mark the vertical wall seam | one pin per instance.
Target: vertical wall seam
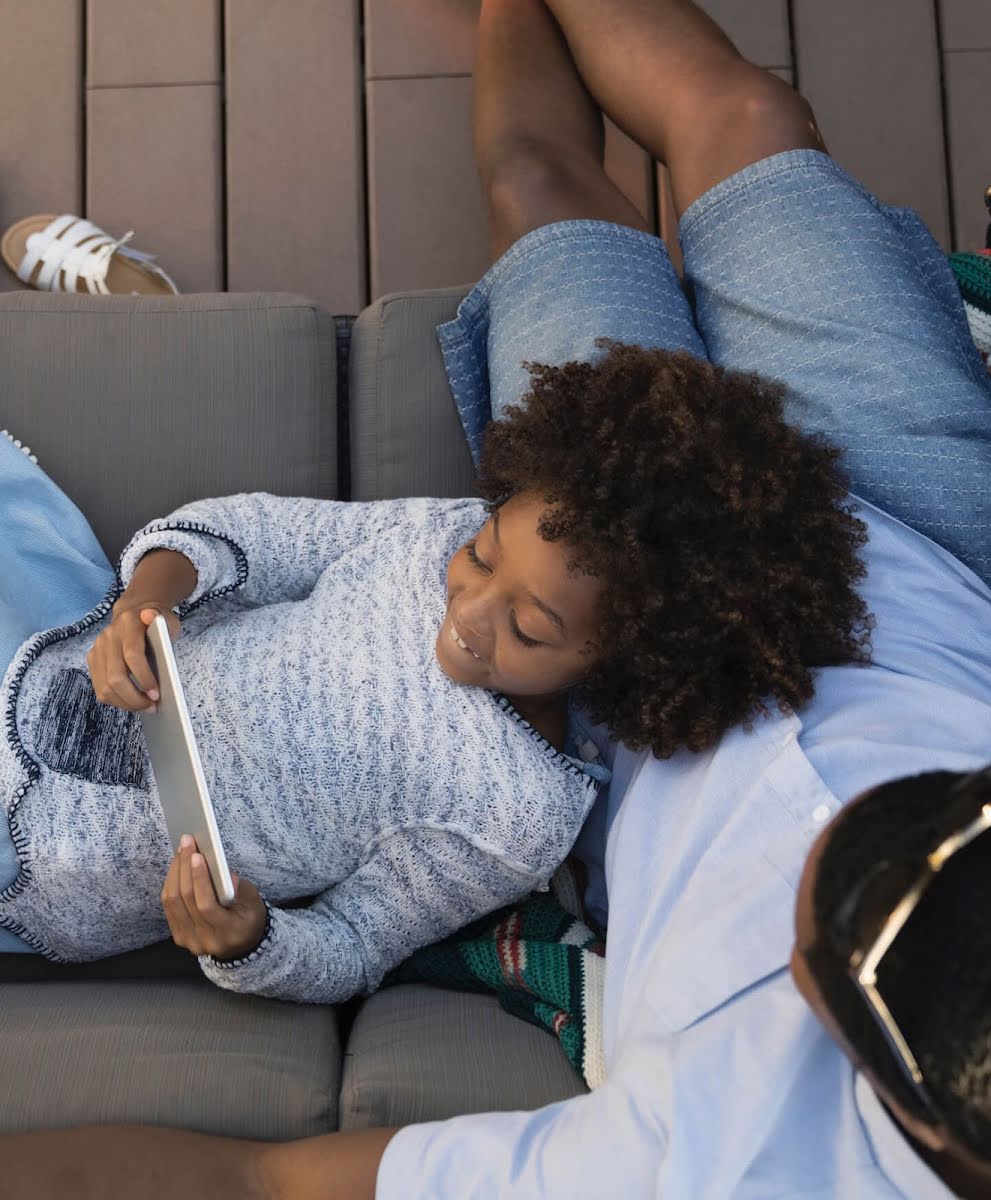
(224, 185)
(83, 194)
(653, 197)
(945, 115)
(366, 239)
(796, 81)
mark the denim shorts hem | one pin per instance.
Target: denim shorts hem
(786, 162)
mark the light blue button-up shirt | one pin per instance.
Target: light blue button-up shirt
(719, 1080)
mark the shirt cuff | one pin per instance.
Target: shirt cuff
(209, 552)
(247, 973)
(402, 1162)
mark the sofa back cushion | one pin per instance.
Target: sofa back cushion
(405, 434)
(136, 405)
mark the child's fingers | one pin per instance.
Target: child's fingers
(111, 681)
(186, 883)
(136, 657)
(176, 913)
(204, 895)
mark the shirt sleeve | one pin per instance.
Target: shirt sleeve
(417, 886)
(267, 548)
(751, 1100)
(606, 1143)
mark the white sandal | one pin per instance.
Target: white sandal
(61, 254)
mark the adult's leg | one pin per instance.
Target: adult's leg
(538, 134)
(574, 261)
(671, 79)
(797, 272)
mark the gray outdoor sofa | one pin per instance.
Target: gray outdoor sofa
(135, 406)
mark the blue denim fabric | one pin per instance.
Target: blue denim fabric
(795, 272)
(52, 572)
(547, 299)
(800, 274)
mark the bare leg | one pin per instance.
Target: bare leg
(538, 133)
(671, 79)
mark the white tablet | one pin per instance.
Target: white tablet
(175, 761)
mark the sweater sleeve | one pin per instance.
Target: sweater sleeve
(417, 886)
(267, 548)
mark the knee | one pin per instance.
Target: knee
(757, 100)
(526, 183)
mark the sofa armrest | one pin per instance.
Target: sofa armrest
(405, 433)
(136, 405)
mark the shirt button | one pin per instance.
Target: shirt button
(821, 813)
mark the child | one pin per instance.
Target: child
(387, 694)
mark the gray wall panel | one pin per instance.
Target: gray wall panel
(41, 60)
(419, 37)
(153, 164)
(426, 216)
(966, 24)
(169, 41)
(968, 82)
(758, 28)
(872, 74)
(295, 183)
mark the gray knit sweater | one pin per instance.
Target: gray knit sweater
(341, 760)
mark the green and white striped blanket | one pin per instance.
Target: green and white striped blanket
(543, 963)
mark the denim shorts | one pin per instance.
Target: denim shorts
(793, 271)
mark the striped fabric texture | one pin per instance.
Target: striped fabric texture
(973, 274)
(542, 962)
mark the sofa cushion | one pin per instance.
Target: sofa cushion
(406, 436)
(418, 1053)
(168, 1053)
(136, 405)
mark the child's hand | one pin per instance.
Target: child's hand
(118, 661)
(198, 921)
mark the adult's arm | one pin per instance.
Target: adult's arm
(119, 1162)
(751, 1100)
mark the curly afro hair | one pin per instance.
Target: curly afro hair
(722, 536)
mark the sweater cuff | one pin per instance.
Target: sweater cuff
(245, 974)
(217, 565)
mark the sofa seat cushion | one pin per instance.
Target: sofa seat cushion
(418, 1053)
(170, 1052)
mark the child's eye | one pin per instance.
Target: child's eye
(520, 634)
(474, 557)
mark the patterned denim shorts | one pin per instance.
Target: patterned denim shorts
(793, 271)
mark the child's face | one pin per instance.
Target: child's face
(489, 605)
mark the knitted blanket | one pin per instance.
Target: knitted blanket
(973, 274)
(543, 963)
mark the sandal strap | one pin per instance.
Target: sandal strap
(86, 260)
(51, 244)
(66, 254)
